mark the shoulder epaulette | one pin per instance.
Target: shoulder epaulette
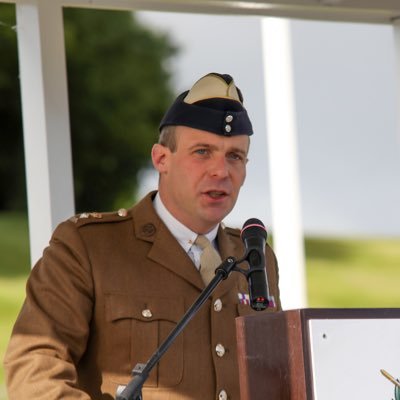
(91, 217)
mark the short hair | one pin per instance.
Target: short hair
(167, 137)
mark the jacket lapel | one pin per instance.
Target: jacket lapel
(227, 247)
(168, 252)
(165, 249)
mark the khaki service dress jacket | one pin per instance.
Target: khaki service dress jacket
(108, 289)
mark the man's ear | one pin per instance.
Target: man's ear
(159, 156)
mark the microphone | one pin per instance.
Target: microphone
(254, 236)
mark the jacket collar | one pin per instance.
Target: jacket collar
(168, 252)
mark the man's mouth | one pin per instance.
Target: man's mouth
(216, 194)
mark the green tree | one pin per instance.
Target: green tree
(118, 93)
(118, 87)
(12, 167)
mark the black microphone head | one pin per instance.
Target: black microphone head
(254, 236)
(253, 227)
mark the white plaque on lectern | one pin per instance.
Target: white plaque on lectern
(348, 356)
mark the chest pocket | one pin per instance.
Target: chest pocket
(141, 324)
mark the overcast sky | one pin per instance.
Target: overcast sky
(349, 143)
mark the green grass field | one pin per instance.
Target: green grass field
(345, 272)
(14, 268)
(353, 272)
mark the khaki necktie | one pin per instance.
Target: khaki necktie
(209, 259)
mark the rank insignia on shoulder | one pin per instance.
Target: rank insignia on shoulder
(91, 217)
(91, 214)
(86, 215)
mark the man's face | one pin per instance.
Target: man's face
(200, 181)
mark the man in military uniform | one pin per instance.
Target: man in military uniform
(110, 287)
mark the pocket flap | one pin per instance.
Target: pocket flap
(124, 305)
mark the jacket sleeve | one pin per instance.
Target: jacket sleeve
(51, 331)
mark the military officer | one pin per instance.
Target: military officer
(111, 286)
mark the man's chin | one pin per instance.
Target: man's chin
(216, 216)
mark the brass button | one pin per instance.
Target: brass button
(220, 350)
(223, 395)
(217, 305)
(122, 212)
(147, 313)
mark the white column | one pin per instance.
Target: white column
(45, 118)
(282, 146)
(396, 35)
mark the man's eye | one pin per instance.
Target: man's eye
(201, 151)
(235, 156)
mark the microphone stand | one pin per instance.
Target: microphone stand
(133, 390)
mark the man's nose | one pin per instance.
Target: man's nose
(219, 167)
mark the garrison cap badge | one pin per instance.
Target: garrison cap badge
(213, 104)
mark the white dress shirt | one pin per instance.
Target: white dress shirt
(183, 234)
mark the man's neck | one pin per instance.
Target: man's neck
(177, 228)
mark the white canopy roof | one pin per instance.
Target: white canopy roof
(372, 11)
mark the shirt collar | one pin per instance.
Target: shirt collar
(182, 233)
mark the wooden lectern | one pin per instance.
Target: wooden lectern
(318, 354)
